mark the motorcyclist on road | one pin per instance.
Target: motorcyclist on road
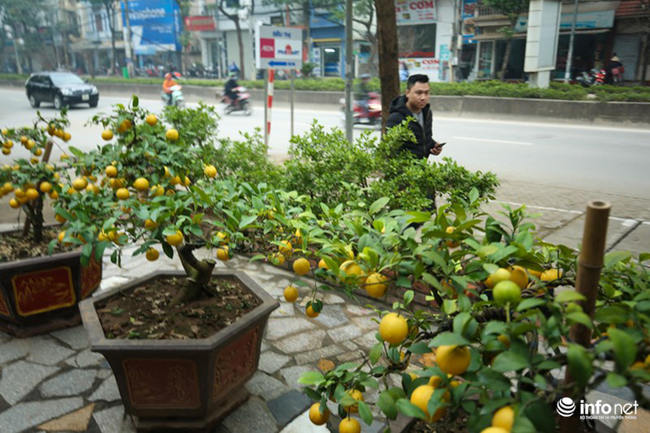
(168, 84)
(229, 88)
(362, 94)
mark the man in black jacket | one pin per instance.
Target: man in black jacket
(415, 104)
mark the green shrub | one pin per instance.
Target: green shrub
(328, 169)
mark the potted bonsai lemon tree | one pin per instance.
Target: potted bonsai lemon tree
(181, 343)
(38, 292)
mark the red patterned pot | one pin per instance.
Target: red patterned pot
(183, 385)
(42, 294)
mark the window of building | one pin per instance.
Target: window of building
(99, 22)
(416, 41)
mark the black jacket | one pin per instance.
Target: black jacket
(400, 112)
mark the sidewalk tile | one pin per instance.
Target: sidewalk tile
(288, 406)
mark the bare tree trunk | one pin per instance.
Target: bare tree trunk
(506, 58)
(240, 41)
(388, 56)
(111, 26)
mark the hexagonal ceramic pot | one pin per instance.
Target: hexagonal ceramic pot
(42, 294)
(183, 385)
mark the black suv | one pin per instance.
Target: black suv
(61, 88)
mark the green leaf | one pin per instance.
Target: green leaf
(644, 257)
(409, 409)
(408, 297)
(509, 361)
(569, 296)
(418, 217)
(490, 268)
(387, 405)
(378, 205)
(365, 413)
(625, 349)
(529, 303)
(615, 380)
(375, 353)
(311, 378)
(581, 318)
(247, 221)
(136, 101)
(419, 348)
(616, 257)
(448, 339)
(612, 314)
(579, 364)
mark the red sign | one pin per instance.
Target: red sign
(4, 310)
(200, 24)
(267, 48)
(38, 292)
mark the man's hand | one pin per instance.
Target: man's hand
(436, 149)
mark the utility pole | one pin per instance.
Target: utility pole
(348, 71)
(128, 48)
(12, 32)
(569, 60)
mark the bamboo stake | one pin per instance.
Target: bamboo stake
(590, 262)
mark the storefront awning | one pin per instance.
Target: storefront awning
(500, 37)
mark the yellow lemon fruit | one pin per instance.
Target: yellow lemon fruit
(31, 194)
(222, 254)
(152, 254)
(151, 119)
(210, 171)
(500, 275)
(80, 183)
(453, 359)
(111, 171)
(393, 328)
(519, 276)
(420, 398)
(316, 417)
(107, 134)
(14, 203)
(150, 224)
(285, 248)
(351, 268)
(290, 294)
(45, 187)
(451, 244)
(349, 425)
(310, 312)
(141, 184)
(376, 285)
(495, 430)
(550, 275)
(301, 266)
(358, 396)
(175, 239)
(504, 418)
(122, 193)
(171, 135)
(279, 259)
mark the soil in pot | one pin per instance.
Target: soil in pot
(457, 425)
(144, 312)
(13, 246)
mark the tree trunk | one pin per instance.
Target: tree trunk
(506, 58)
(242, 66)
(198, 273)
(111, 26)
(388, 56)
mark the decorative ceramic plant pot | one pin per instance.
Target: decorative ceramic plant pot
(42, 294)
(183, 385)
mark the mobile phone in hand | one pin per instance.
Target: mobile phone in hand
(440, 144)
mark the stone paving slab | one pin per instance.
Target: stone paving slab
(638, 241)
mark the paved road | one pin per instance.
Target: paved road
(611, 160)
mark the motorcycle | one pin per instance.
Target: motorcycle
(595, 77)
(241, 103)
(370, 117)
(174, 98)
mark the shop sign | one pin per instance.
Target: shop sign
(584, 21)
(410, 12)
(200, 24)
